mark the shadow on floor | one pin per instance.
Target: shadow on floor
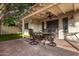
(72, 44)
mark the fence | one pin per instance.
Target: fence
(9, 29)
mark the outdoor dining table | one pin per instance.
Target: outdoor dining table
(46, 36)
(44, 33)
(43, 37)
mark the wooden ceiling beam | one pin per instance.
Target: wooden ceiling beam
(40, 4)
(74, 7)
(51, 5)
(28, 10)
(52, 12)
(61, 9)
(1, 6)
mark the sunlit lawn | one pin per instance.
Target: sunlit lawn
(7, 37)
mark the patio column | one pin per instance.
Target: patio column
(45, 25)
(23, 26)
(61, 34)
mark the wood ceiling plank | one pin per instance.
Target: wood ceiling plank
(61, 9)
(40, 10)
(52, 12)
(1, 6)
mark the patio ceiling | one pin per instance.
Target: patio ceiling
(39, 11)
(2, 9)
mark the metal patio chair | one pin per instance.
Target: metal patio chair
(33, 37)
(50, 36)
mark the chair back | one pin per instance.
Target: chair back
(31, 32)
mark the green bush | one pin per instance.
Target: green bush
(11, 21)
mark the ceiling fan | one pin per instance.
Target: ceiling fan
(49, 15)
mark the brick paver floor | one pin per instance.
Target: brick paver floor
(20, 47)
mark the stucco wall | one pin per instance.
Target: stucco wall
(73, 26)
(35, 25)
(60, 32)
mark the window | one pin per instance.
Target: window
(26, 25)
(65, 24)
(42, 26)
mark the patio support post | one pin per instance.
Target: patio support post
(23, 27)
(61, 33)
(44, 24)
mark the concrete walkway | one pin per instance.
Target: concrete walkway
(20, 47)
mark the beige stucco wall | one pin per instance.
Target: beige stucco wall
(60, 32)
(35, 25)
(73, 26)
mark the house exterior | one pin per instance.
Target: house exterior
(64, 17)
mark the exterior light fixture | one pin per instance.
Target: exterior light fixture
(49, 15)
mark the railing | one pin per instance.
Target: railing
(71, 34)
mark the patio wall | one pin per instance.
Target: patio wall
(35, 25)
(73, 26)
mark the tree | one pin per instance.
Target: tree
(14, 10)
(9, 21)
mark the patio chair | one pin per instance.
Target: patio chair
(51, 36)
(33, 37)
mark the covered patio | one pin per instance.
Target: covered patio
(62, 17)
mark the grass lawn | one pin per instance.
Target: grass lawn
(7, 37)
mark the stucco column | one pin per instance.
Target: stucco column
(45, 25)
(23, 26)
(61, 33)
